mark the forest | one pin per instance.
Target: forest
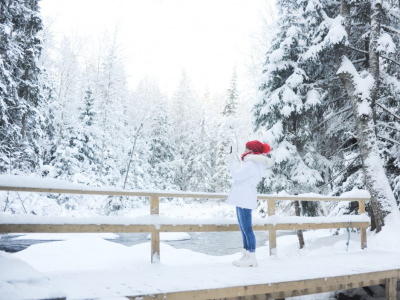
(326, 100)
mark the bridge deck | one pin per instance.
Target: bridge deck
(182, 274)
(274, 278)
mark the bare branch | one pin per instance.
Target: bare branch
(394, 15)
(340, 172)
(357, 50)
(388, 111)
(391, 29)
(366, 52)
(385, 125)
(334, 115)
(392, 60)
(388, 139)
(358, 61)
(22, 202)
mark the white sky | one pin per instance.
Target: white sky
(160, 38)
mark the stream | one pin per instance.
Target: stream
(212, 243)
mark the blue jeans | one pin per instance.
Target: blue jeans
(244, 219)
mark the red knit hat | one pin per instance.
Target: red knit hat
(257, 147)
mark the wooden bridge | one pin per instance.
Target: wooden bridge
(269, 289)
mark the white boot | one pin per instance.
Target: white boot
(244, 256)
(249, 260)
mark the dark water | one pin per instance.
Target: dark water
(212, 243)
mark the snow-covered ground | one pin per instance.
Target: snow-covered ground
(83, 266)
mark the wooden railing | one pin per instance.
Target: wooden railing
(157, 225)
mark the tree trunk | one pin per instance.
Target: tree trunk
(382, 198)
(299, 232)
(132, 151)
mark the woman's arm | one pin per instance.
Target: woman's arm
(242, 172)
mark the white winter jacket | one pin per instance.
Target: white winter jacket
(245, 180)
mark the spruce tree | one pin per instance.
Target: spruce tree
(21, 92)
(227, 137)
(200, 179)
(186, 123)
(286, 104)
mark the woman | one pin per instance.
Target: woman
(243, 195)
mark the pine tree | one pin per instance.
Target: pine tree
(112, 95)
(201, 180)
(232, 95)
(186, 123)
(286, 105)
(349, 107)
(21, 91)
(157, 135)
(227, 137)
(88, 138)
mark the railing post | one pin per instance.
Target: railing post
(155, 234)
(391, 288)
(272, 232)
(361, 210)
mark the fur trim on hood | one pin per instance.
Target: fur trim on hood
(259, 158)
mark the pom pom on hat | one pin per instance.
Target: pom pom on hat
(266, 148)
(258, 147)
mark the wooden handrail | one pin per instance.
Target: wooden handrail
(163, 194)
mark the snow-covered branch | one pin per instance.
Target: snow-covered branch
(366, 52)
(391, 29)
(332, 116)
(394, 15)
(386, 125)
(388, 111)
(357, 50)
(388, 139)
(340, 172)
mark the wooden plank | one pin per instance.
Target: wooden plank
(302, 198)
(272, 231)
(363, 230)
(137, 228)
(281, 289)
(143, 193)
(155, 234)
(391, 288)
(166, 194)
(327, 225)
(73, 228)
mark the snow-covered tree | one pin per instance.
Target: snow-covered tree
(362, 87)
(201, 174)
(339, 135)
(286, 106)
(153, 133)
(21, 86)
(64, 110)
(186, 117)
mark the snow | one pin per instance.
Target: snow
(313, 98)
(37, 182)
(335, 35)
(19, 280)
(386, 44)
(355, 193)
(363, 84)
(64, 236)
(93, 268)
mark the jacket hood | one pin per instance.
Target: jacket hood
(259, 159)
